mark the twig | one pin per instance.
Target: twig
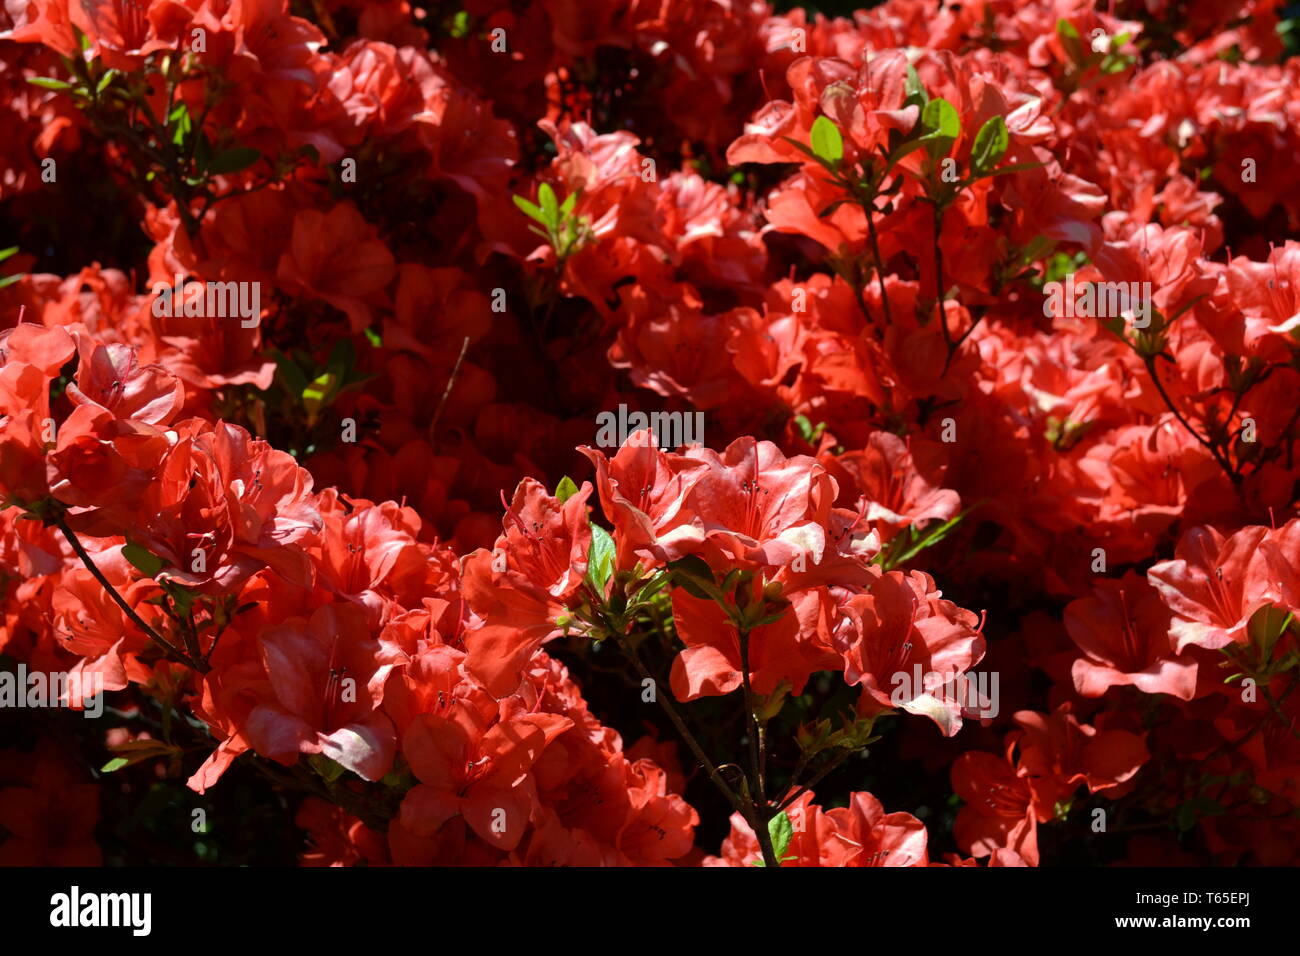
(938, 278)
(880, 265)
(173, 652)
(686, 734)
(818, 777)
(1224, 463)
(451, 380)
(756, 746)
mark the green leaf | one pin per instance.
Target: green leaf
(342, 358)
(9, 280)
(550, 207)
(806, 428)
(1194, 809)
(827, 144)
(531, 210)
(991, 144)
(202, 153)
(233, 160)
(780, 830)
(182, 597)
(565, 490)
(693, 573)
(179, 120)
(1265, 629)
(1015, 168)
(1113, 63)
(600, 559)
(143, 560)
(900, 551)
(49, 83)
(1070, 40)
(940, 119)
(295, 380)
(942, 125)
(329, 770)
(319, 393)
(134, 751)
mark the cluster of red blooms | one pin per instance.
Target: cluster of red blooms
(460, 233)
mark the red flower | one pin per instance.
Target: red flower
(476, 768)
(520, 589)
(861, 834)
(1123, 631)
(900, 630)
(328, 688)
(642, 490)
(327, 260)
(1214, 585)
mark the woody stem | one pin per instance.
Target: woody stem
(1220, 458)
(737, 804)
(171, 651)
(938, 279)
(1276, 707)
(870, 209)
(817, 778)
(756, 761)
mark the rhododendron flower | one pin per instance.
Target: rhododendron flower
(1214, 586)
(902, 627)
(861, 834)
(897, 493)
(328, 688)
(520, 589)
(476, 771)
(1123, 630)
(999, 811)
(32, 358)
(953, 335)
(759, 507)
(643, 491)
(711, 663)
(254, 503)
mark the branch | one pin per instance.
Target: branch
(173, 652)
(817, 778)
(1224, 463)
(686, 734)
(756, 755)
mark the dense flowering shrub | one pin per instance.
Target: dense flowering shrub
(649, 434)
